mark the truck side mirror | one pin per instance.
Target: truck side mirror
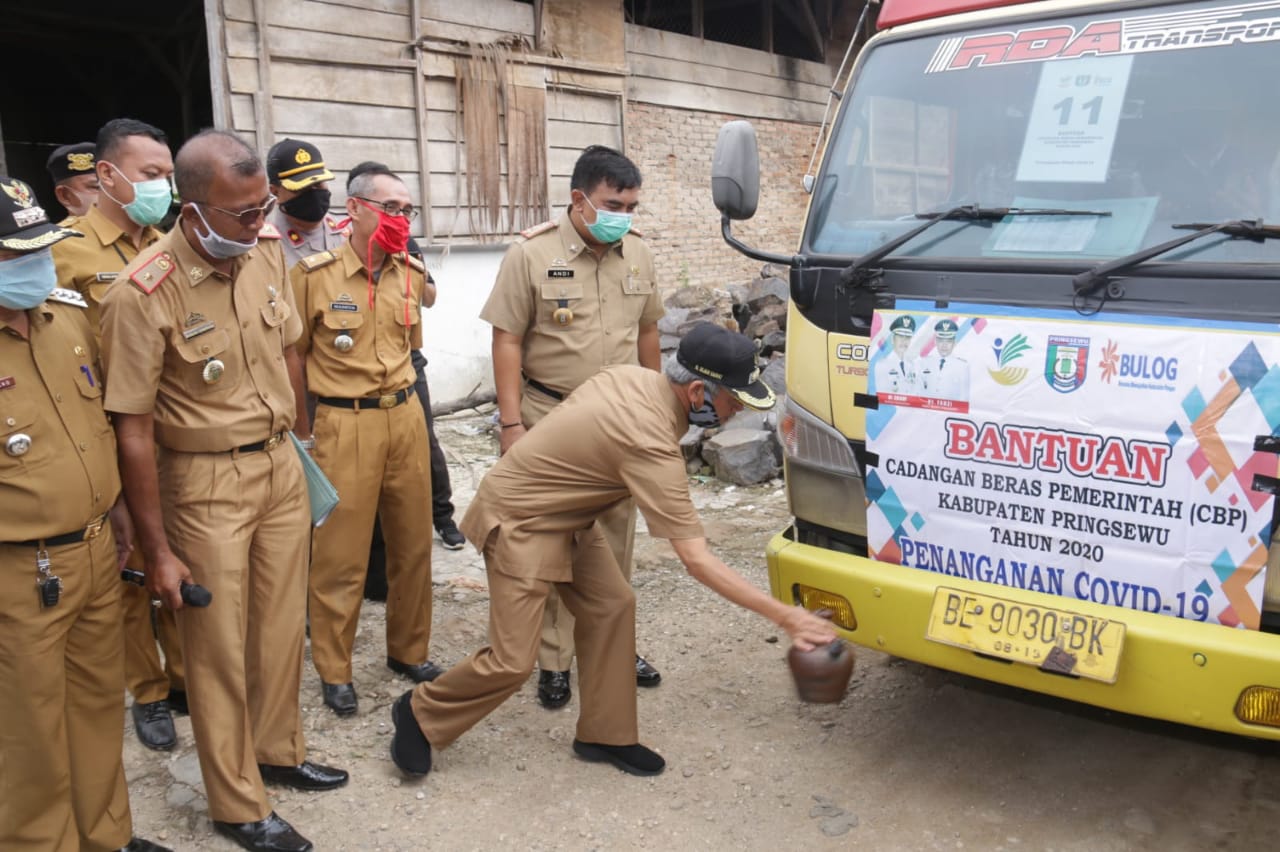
(735, 171)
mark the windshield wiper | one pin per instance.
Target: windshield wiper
(861, 273)
(1245, 229)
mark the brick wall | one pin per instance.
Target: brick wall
(673, 148)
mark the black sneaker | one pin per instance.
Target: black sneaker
(451, 536)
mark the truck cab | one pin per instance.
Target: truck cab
(1033, 352)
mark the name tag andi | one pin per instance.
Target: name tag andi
(559, 273)
(343, 306)
(106, 276)
(197, 330)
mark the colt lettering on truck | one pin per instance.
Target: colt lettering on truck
(1032, 430)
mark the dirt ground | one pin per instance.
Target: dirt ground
(913, 758)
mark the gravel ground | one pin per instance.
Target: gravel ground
(913, 758)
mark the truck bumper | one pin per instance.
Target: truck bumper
(1170, 668)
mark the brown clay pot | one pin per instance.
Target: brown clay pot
(822, 674)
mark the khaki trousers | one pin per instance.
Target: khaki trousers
(240, 522)
(62, 784)
(605, 610)
(379, 461)
(147, 678)
(618, 523)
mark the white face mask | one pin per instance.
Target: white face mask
(216, 245)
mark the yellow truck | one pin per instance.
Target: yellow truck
(1032, 423)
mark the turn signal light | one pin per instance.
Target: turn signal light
(1259, 705)
(815, 599)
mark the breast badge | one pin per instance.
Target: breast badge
(213, 370)
(18, 444)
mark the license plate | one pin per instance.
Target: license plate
(1055, 640)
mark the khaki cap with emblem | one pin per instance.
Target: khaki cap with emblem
(296, 165)
(24, 226)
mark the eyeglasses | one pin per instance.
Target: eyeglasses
(247, 218)
(390, 207)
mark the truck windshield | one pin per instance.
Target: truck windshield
(1149, 114)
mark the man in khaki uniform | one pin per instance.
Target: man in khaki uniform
(573, 297)
(62, 784)
(536, 519)
(300, 182)
(361, 318)
(198, 344)
(75, 180)
(113, 237)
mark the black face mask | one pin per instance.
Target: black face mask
(706, 416)
(310, 206)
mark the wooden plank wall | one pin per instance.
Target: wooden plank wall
(341, 77)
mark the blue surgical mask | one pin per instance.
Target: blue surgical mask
(27, 281)
(151, 198)
(609, 227)
(707, 417)
(216, 245)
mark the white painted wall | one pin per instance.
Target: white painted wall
(455, 339)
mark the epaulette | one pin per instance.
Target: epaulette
(415, 263)
(529, 233)
(68, 297)
(148, 276)
(269, 231)
(313, 262)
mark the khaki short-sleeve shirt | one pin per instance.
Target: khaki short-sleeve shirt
(615, 437)
(331, 290)
(51, 395)
(202, 351)
(575, 315)
(92, 264)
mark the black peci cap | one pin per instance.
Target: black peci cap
(728, 359)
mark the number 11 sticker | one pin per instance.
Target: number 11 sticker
(1074, 120)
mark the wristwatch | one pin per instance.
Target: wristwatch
(307, 443)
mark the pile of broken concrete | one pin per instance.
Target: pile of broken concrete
(745, 450)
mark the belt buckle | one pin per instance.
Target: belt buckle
(95, 527)
(273, 442)
(388, 401)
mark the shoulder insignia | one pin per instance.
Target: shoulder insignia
(68, 297)
(148, 276)
(269, 232)
(415, 263)
(313, 262)
(528, 233)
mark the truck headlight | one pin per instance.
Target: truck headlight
(824, 485)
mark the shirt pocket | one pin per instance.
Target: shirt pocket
(196, 357)
(275, 313)
(18, 418)
(558, 295)
(335, 324)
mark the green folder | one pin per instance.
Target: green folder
(324, 497)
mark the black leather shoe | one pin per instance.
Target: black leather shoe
(154, 724)
(339, 697)
(177, 702)
(137, 844)
(553, 689)
(634, 759)
(421, 673)
(646, 675)
(304, 776)
(410, 750)
(451, 536)
(271, 834)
